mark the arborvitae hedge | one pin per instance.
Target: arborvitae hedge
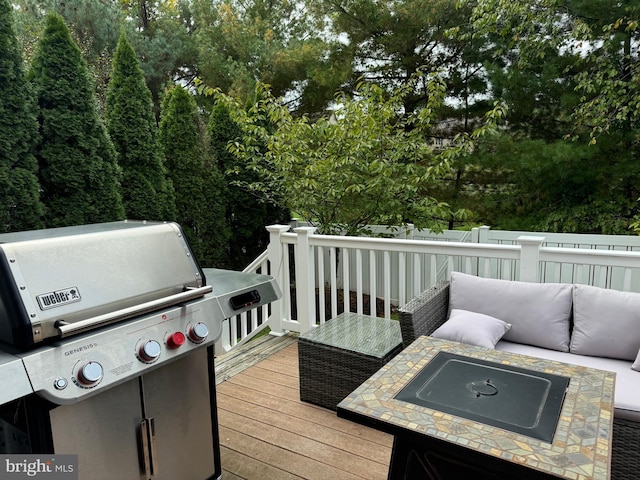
(147, 190)
(78, 173)
(20, 207)
(246, 215)
(198, 184)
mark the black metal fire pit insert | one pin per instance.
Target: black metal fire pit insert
(504, 396)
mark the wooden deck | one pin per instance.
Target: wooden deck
(266, 432)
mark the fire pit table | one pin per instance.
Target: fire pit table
(457, 410)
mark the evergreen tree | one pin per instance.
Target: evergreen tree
(281, 44)
(20, 207)
(198, 184)
(246, 214)
(78, 173)
(147, 190)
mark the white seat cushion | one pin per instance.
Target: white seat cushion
(627, 390)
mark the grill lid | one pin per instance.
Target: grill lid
(52, 279)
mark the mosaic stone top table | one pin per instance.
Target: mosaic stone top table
(427, 440)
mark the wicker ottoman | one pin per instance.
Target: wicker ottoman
(338, 356)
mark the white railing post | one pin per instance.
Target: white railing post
(275, 253)
(480, 234)
(305, 279)
(409, 231)
(530, 258)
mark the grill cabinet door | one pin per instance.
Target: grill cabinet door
(103, 431)
(177, 398)
(174, 401)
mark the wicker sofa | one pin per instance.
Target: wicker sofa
(428, 312)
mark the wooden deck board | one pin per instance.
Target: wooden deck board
(266, 432)
(242, 357)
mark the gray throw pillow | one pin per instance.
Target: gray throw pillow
(606, 323)
(538, 312)
(472, 328)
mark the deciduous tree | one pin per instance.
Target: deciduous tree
(371, 164)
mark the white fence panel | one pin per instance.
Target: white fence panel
(605, 276)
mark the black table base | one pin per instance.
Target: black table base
(414, 458)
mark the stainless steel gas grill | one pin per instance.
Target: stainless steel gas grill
(108, 332)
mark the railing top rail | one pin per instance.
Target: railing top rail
(614, 258)
(410, 246)
(257, 262)
(592, 256)
(570, 238)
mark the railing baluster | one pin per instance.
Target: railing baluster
(580, 274)
(433, 269)
(487, 268)
(243, 325)
(417, 275)
(468, 267)
(334, 282)
(359, 306)
(373, 294)
(287, 307)
(346, 300)
(557, 273)
(233, 322)
(626, 284)
(321, 285)
(387, 284)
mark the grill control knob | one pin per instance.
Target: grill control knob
(199, 332)
(175, 340)
(149, 351)
(60, 383)
(90, 374)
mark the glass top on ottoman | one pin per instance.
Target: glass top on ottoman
(363, 334)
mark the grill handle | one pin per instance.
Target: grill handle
(101, 320)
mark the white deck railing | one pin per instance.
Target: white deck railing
(381, 274)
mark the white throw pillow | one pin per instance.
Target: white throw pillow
(472, 328)
(538, 312)
(606, 323)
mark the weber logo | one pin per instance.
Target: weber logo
(58, 298)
